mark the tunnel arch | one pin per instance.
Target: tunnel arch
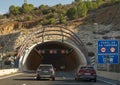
(66, 40)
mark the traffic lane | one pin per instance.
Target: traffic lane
(71, 81)
(24, 79)
(110, 81)
(29, 79)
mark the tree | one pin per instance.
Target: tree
(89, 5)
(82, 9)
(46, 11)
(43, 6)
(95, 5)
(78, 0)
(15, 10)
(99, 2)
(27, 7)
(71, 13)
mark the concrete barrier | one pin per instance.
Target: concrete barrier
(4, 72)
(109, 75)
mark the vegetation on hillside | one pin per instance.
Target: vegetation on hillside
(45, 14)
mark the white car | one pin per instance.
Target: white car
(45, 71)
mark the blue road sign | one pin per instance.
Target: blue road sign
(108, 51)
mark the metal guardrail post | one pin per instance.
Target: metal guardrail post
(43, 31)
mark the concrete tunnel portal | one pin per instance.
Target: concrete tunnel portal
(64, 56)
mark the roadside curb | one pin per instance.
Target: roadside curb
(108, 81)
(4, 72)
(109, 75)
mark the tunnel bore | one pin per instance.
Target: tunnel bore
(61, 55)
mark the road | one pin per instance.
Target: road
(61, 79)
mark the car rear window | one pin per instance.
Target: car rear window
(45, 67)
(87, 68)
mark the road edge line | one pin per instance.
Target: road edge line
(106, 81)
(4, 77)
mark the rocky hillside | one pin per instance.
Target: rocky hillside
(104, 21)
(106, 16)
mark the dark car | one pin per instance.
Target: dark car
(45, 71)
(86, 73)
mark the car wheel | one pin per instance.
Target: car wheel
(76, 79)
(53, 79)
(94, 80)
(37, 78)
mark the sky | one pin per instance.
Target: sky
(5, 4)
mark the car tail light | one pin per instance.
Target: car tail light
(81, 72)
(93, 72)
(51, 69)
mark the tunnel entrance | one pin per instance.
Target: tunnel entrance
(62, 56)
(52, 45)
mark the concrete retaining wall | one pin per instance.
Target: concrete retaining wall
(109, 75)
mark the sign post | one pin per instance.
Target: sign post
(108, 52)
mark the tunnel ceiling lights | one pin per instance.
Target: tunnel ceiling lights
(41, 51)
(53, 51)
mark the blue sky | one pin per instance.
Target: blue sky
(5, 4)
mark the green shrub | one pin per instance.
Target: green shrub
(71, 13)
(1, 16)
(62, 19)
(29, 18)
(44, 22)
(99, 2)
(52, 21)
(27, 8)
(15, 10)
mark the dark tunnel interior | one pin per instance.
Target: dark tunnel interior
(61, 55)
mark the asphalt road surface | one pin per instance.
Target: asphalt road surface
(61, 79)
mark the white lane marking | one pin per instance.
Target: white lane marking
(67, 83)
(10, 76)
(24, 84)
(64, 77)
(107, 82)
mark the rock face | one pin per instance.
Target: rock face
(98, 32)
(91, 37)
(11, 42)
(11, 26)
(106, 16)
